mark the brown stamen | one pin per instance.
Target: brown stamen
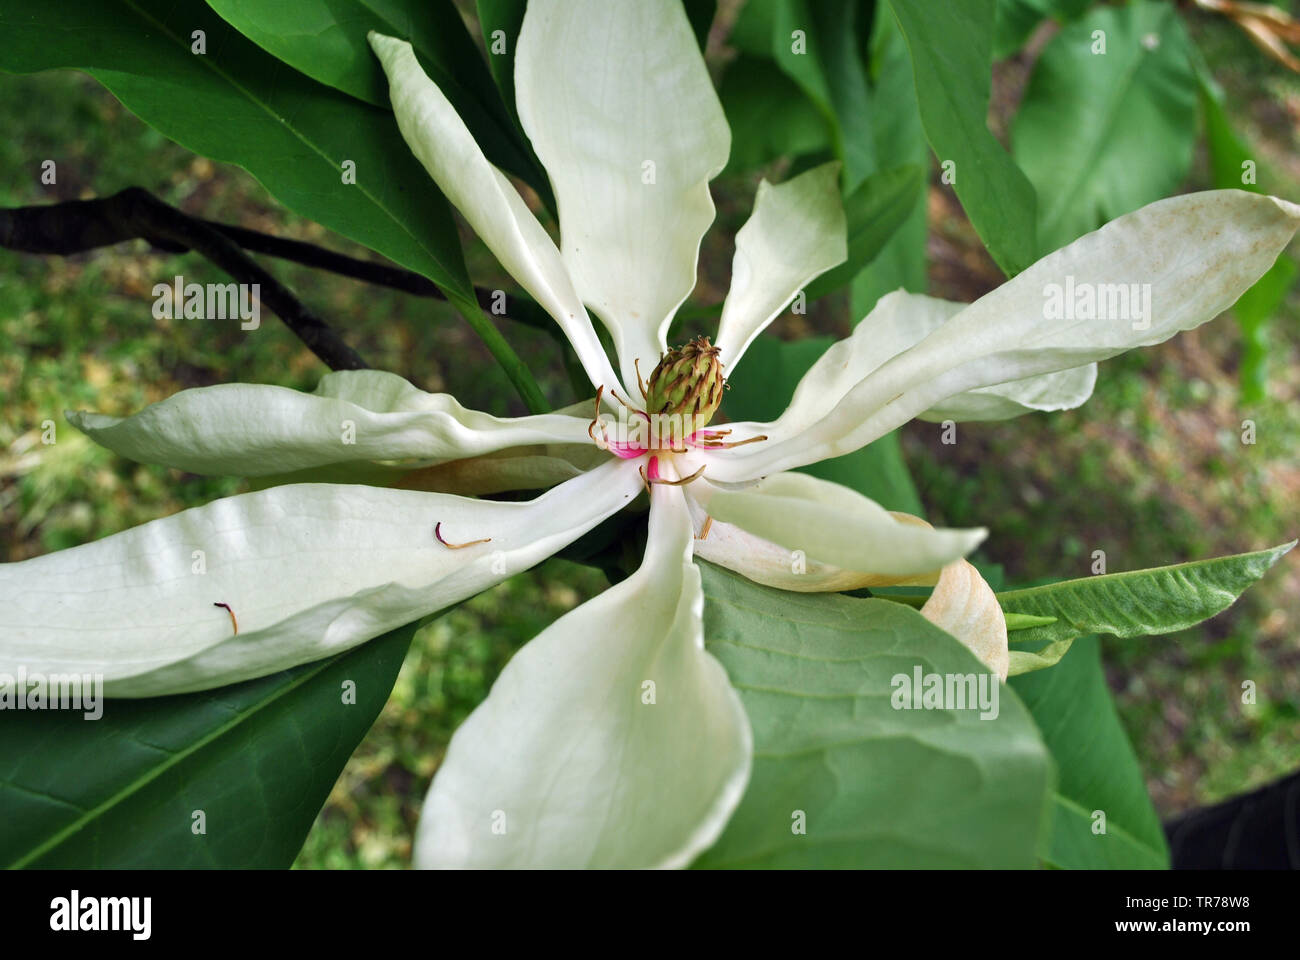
(639, 382)
(595, 416)
(704, 531)
(732, 444)
(233, 622)
(437, 532)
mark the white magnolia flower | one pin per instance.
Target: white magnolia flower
(584, 771)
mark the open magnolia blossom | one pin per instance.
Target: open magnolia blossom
(568, 752)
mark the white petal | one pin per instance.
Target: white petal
(1045, 392)
(250, 430)
(899, 321)
(309, 570)
(775, 566)
(796, 233)
(566, 764)
(964, 605)
(835, 525)
(487, 200)
(620, 109)
(1197, 253)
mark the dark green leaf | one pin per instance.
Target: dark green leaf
(900, 140)
(700, 13)
(816, 44)
(1101, 134)
(1096, 768)
(326, 39)
(951, 61)
(1140, 603)
(877, 786)
(754, 91)
(257, 758)
(500, 21)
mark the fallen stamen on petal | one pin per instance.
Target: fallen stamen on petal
(704, 531)
(729, 445)
(233, 622)
(437, 532)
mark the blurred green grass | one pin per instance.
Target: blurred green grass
(1151, 470)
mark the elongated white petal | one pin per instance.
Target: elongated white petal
(619, 107)
(899, 321)
(249, 430)
(308, 571)
(835, 525)
(611, 740)
(964, 605)
(796, 233)
(1177, 263)
(487, 200)
(775, 566)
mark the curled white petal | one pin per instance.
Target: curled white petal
(830, 523)
(249, 430)
(1176, 263)
(487, 200)
(611, 740)
(965, 606)
(308, 570)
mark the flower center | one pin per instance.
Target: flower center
(681, 397)
(687, 384)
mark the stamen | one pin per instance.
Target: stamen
(437, 532)
(631, 409)
(728, 446)
(704, 532)
(639, 382)
(233, 622)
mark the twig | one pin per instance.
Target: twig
(75, 226)
(79, 225)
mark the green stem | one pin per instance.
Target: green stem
(515, 369)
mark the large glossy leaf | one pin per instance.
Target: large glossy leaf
(762, 388)
(1140, 603)
(876, 786)
(1101, 134)
(951, 63)
(815, 42)
(1096, 769)
(238, 104)
(326, 39)
(900, 140)
(500, 21)
(752, 91)
(257, 759)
